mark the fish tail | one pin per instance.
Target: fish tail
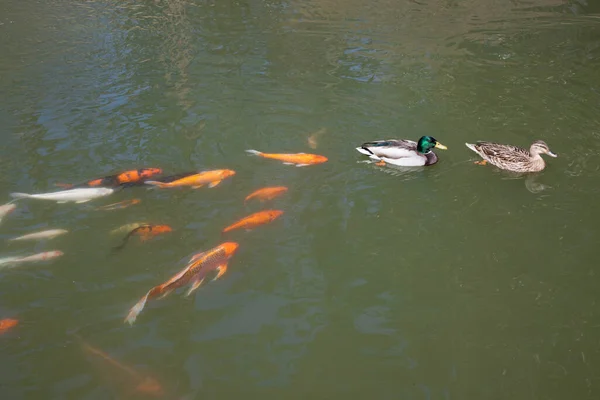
(254, 152)
(137, 309)
(20, 195)
(157, 183)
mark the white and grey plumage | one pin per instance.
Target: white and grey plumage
(402, 152)
(513, 158)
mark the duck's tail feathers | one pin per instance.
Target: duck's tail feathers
(254, 152)
(364, 151)
(20, 196)
(472, 147)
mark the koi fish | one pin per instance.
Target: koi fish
(254, 220)
(49, 234)
(267, 193)
(6, 209)
(7, 324)
(75, 195)
(145, 232)
(195, 272)
(119, 205)
(299, 159)
(312, 139)
(143, 384)
(130, 177)
(127, 227)
(46, 255)
(210, 178)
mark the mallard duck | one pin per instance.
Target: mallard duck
(512, 158)
(405, 153)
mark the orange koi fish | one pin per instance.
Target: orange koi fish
(196, 180)
(200, 265)
(145, 232)
(131, 177)
(143, 384)
(299, 159)
(254, 220)
(7, 324)
(119, 205)
(267, 193)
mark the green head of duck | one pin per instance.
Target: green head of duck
(426, 143)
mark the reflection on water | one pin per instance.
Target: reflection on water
(449, 281)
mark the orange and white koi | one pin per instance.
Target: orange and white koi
(7, 324)
(195, 272)
(130, 177)
(299, 159)
(267, 193)
(143, 384)
(197, 180)
(6, 209)
(119, 205)
(145, 232)
(254, 220)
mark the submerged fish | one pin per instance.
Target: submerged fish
(7, 324)
(6, 209)
(195, 272)
(127, 227)
(210, 178)
(75, 195)
(130, 177)
(119, 205)
(141, 384)
(312, 139)
(254, 220)
(267, 193)
(299, 159)
(49, 234)
(46, 255)
(145, 232)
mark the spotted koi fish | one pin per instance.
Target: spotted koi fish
(131, 177)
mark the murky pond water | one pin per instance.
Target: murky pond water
(447, 282)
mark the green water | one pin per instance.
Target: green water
(447, 282)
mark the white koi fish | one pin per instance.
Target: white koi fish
(76, 195)
(6, 209)
(49, 234)
(46, 255)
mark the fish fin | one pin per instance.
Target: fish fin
(197, 186)
(195, 285)
(136, 309)
(61, 202)
(254, 152)
(302, 165)
(156, 183)
(82, 201)
(288, 163)
(213, 184)
(222, 269)
(165, 294)
(20, 195)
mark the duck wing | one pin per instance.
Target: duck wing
(390, 148)
(505, 152)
